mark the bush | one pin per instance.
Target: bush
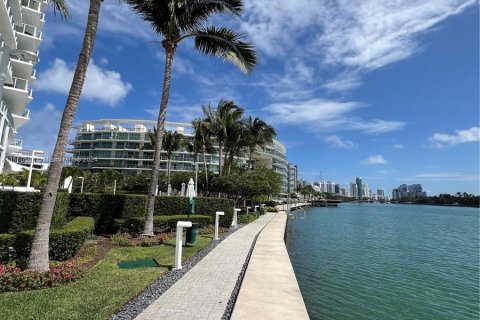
(204, 206)
(105, 208)
(122, 240)
(13, 279)
(64, 242)
(270, 203)
(246, 218)
(161, 224)
(19, 211)
(270, 209)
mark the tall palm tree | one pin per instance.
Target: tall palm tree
(177, 20)
(172, 141)
(203, 141)
(220, 122)
(258, 134)
(38, 259)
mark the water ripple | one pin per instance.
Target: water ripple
(387, 262)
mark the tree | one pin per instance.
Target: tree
(220, 122)
(258, 134)
(172, 141)
(38, 259)
(202, 142)
(175, 21)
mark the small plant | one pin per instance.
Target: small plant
(122, 240)
(12, 278)
(270, 209)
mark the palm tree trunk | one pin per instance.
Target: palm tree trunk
(169, 51)
(168, 171)
(220, 158)
(206, 173)
(38, 259)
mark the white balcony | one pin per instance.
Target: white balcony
(29, 38)
(20, 119)
(17, 95)
(32, 13)
(21, 69)
(16, 12)
(14, 145)
(6, 24)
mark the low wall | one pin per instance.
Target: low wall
(269, 289)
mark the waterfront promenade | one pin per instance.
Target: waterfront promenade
(269, 289)
(203, 292)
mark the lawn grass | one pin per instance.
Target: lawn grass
(101, 291)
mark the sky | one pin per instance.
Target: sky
(385, 90)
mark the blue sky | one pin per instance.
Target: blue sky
(384, 90)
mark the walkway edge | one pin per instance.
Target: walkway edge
(270, 289)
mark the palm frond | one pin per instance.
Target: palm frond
(226, 44)
(61, 7)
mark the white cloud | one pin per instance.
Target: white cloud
(337, 142)
(101, 84)
(398, 146)
(440, 140)
(445, 176)
(352, 36)
(36, 135)
(376, 159)
(321, 115)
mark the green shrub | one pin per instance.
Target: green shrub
(204, 206)
(161, 223)
(271, 203)
(122, 240)
(64, 242)
(106, 208)
(246, 218)
(19, 210)
(270, 209)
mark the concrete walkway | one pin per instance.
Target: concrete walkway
(269, 289)
(203, 292)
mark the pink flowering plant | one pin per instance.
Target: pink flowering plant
(12, 278)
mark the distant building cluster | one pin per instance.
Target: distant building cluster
(408, 191)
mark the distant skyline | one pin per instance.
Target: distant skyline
(386, 91)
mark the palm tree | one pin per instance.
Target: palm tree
(202, 140)
(220, 122)
(172, 141)
(177, 20)
(259, 134)
(38, 259)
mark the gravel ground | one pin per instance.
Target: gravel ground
(135, 306)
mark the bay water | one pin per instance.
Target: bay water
(387, 261)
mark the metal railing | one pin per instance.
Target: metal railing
(29, 30)
(32, 4)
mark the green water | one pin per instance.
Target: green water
(377, 261)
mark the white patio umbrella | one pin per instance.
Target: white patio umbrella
(191, 193)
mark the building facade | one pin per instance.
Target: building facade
(359, 188)
(122, 145)
(293, 176)
(21, 22)
(408, 191)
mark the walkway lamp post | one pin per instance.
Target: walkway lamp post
(81, 187)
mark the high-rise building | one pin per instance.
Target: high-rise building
(380, 194)
(359, 188)
(293, 176)
(353, 190)
(122, 145)
(20, 25)
(408, 191)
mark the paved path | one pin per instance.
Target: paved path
(270, 289)
(203, 292)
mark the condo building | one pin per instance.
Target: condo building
(21, 22)
(408, 191)
(293, 176)
(122, 145)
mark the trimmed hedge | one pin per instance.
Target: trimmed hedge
(19, 211)
(106, 208)
(163, 223)
(64, 242)
(204, 206)
(246, 218)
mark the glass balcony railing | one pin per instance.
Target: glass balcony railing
(29, 30)
(32, 4)
(16, 143)
(18, 83)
